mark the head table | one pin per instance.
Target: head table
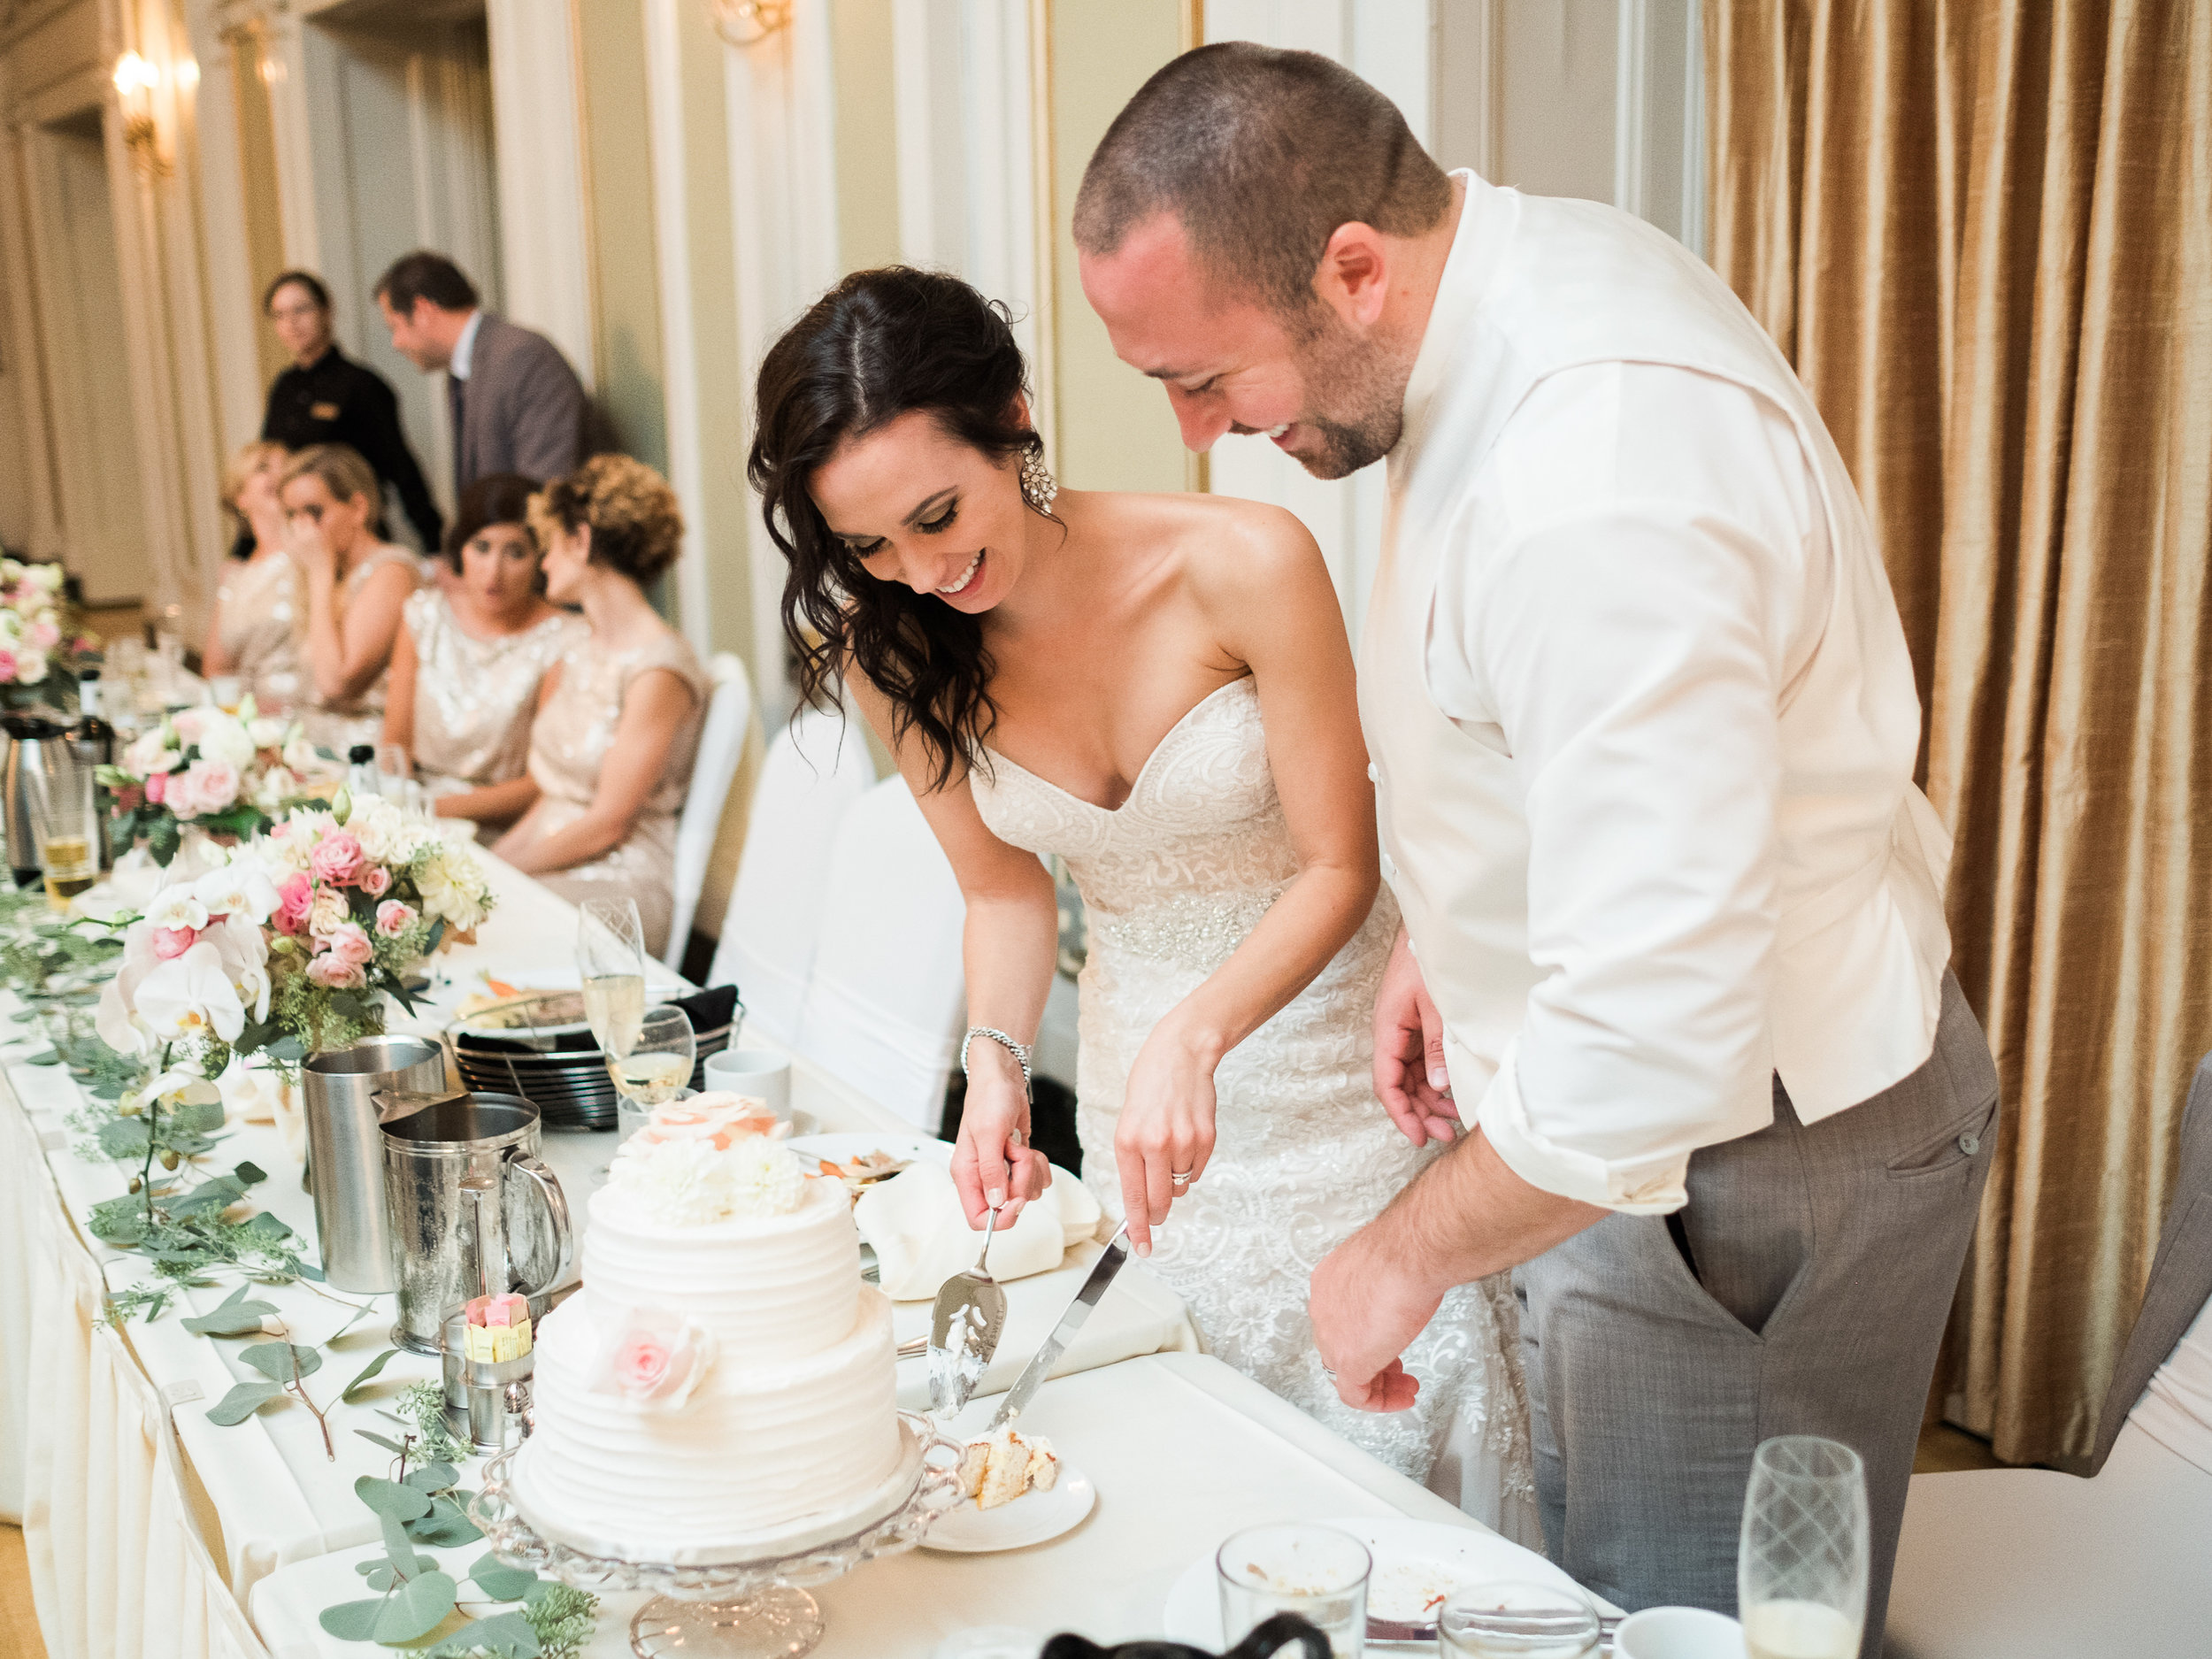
(149, 1527)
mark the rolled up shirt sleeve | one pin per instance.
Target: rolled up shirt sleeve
(1630, 654)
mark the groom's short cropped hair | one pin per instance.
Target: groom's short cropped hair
(1261, 154)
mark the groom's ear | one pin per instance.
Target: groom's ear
(1353, 279)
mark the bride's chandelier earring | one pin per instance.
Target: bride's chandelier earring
(1039, 486)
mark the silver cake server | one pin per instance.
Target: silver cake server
(1039, 1367)
(964, 1330)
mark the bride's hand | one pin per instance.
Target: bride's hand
(1166, 1130)
(993, 1162)
(1410, 1076)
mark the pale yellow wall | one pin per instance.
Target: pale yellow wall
(867, 135)
(626, 272)
(1115, 430)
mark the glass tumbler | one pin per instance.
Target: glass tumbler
(1316, 1572)
(1516, 1619)
(65, 819)
(1801, 1567)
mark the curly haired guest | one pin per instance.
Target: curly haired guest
(613, 742)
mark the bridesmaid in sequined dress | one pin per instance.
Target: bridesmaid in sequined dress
(260, 617)
(355, 585)
(611, 748)
(475, 660)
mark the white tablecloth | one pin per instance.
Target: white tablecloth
(1183, 1450)
(266, 1492)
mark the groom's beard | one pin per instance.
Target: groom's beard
(1366, 408)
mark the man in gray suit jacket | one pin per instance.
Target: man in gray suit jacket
(516, 404)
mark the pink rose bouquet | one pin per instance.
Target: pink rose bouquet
(37, 636)
(226, 774)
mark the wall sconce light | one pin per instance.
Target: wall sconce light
(135, 80)
(750, 22)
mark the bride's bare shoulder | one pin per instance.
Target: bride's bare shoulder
(1226, 545)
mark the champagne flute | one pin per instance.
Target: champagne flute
(657, 1067)
(610, 967)
(1802, 1566)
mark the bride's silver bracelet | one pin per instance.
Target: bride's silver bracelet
(1020, 1051)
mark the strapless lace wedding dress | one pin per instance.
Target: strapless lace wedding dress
(1304, 1155)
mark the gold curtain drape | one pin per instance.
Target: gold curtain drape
(1982, 230)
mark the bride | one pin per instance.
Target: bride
(1159, 689)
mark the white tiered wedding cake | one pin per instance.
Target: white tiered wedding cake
(724, 1381)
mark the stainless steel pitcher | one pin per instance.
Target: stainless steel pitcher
(474, 1212)
(33, 740)
(345, 1153)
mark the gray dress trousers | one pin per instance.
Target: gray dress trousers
(1803, 1290)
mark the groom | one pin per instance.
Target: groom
(1644, 726)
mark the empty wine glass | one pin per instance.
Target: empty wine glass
(1801, 1567)
(658, 1068)
(610, 967)
(1516, 1619)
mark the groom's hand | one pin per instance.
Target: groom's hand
(1365, 1314)
(1410, 1076)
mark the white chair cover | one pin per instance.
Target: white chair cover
(118, 1567)
(884, 1002)
(721, 746)
(814, 772)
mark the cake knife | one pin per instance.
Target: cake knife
(1039, 1366)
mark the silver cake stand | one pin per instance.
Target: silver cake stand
(755, 1609)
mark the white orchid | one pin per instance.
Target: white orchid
(177, 908)
(266, 731)
(157, 751)
(191, 996)
(243, 888)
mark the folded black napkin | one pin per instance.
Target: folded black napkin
(1265, 1641)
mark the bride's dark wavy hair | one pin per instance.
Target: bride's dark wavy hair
(879, 345)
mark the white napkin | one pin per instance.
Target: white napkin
(921, 1239)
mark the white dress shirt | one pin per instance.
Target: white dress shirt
(464, 359)
(1643, 720)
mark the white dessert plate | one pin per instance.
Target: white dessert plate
(839, 1148)
(1034, 1518)
(1417, 1564)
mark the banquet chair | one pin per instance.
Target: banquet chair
(815, 769)
(885, 1000)
(721, 746)
(2024, 1564)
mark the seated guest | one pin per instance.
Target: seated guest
(326, 397)
(259, 619)
(471, 666)
(612, 748)
(356, 586)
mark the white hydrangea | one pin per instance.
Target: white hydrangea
(694, 1183)
(453, 889)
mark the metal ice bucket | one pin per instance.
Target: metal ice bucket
(345, 1151)
(473, 1210)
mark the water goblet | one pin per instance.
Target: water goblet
(658, 1068)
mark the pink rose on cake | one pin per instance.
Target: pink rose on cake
(716, 1115)
(654, 1359)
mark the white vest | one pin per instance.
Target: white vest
(1861, 942)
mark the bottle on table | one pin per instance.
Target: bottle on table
(92, 740)
(361, 775)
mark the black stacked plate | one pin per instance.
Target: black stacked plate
(542, 1048)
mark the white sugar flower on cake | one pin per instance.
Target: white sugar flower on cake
(695, 1183)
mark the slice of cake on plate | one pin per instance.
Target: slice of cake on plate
(998, 1468)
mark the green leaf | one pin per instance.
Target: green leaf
(119, 1221)
(433, 1477)
(287, 1048)
(388, 1444)
(162, 843)
(404, 1562)
(242, 1403)
(47, 1057)
(416, 1607)
(266, 1226)
(124, 1139)
(198, 1117)
(368, 1373)
(501, 1582)
(388, 1497)
(250, 1174)
(446, 1525)
(378, 1572)
(215, 1195)
(506, 1634)
(281, 1362)
(232, 1318)
(353, 1621)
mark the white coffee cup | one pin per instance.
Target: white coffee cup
(760, 1074)
(1678, 1632)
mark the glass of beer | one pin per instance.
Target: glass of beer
(65, 817)
(1802, 1568)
